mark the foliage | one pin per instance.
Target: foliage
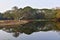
(29, 13)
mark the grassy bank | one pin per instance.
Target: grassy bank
(18, 22)
(12, 22)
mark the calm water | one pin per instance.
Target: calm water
(31, 31)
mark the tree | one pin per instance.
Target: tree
(15, 8)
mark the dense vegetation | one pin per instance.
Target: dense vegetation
(29, 13)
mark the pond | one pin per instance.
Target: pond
(31, 31)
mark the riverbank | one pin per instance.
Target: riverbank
(18, 22)
(12, 22)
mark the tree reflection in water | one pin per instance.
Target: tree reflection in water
(30, 27)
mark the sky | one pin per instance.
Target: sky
(8, 4)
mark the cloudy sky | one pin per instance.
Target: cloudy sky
(8, 4)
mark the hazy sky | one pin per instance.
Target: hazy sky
(8, 4)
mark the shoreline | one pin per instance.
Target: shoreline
(12, 22)
(19, 22)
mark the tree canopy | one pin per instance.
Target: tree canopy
(29, 13)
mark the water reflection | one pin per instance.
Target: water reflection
(30, 27)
